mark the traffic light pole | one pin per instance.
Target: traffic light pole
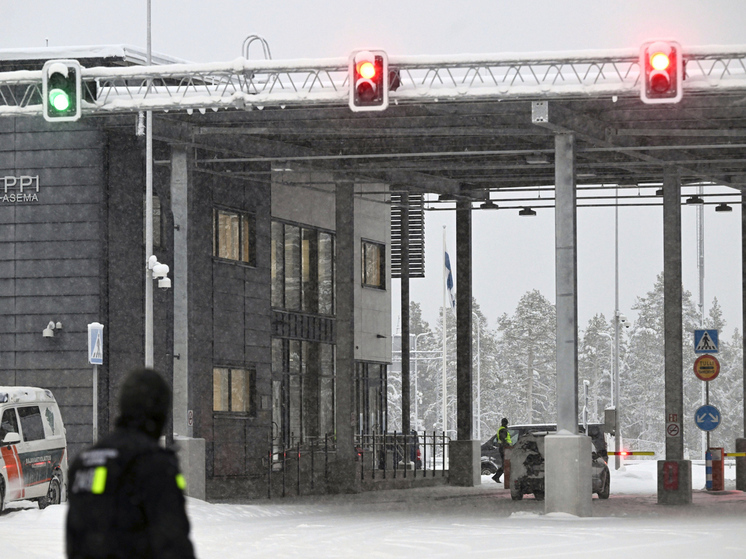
(149, 218)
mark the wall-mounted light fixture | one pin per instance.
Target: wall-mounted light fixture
(723, 208)
(488, 205)
(694, 200)
(48, 332)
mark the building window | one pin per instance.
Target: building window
(232, 390)
(374, 264)
(302, 390)
(234, 236)
(370, 397)
(302, 269)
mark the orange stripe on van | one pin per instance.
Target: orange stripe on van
(14, 473)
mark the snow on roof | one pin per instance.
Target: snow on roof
(16, 394)
(127, 53)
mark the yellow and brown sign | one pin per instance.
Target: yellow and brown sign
(706, 367)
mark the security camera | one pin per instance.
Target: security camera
(164, 283)
(160, 270)
(48, 332)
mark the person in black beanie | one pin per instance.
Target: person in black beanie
(126, 492)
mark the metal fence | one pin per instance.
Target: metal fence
(299, 462)
(305, 466)
(398, 454)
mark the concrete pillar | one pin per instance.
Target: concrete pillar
(568, 474)
(741, 443)
(674, 473)
(343, 472)
(567, 463)
(191, 455)
(465, 453)
(567, 283)
(741, 465)
(180, 210)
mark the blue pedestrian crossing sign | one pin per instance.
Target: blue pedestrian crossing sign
(706, 341)
(96, 343)
(707, 417)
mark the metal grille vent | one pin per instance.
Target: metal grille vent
(416, 235)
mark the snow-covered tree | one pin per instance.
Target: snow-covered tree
(595, 364)
(526, 357)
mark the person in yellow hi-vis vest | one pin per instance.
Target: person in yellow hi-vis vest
(126, 492)
(503, 440)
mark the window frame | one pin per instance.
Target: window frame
(249, 390)
(246, 219)
(364, 243)
(315, 295)
(28, 423)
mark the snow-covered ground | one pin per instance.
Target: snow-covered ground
(439, 522)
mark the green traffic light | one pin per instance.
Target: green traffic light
(59, 100)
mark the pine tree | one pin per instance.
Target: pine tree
(527, 354)
(595, 364)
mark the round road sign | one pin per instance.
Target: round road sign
(706, 367)
(707, 417)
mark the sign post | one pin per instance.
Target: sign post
(95, 358)
(706, 368)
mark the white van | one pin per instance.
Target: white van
(33, 455)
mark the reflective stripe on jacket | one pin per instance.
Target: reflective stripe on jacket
(507, 440)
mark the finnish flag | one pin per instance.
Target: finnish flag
(449, 282)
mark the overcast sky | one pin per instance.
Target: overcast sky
(514, 254)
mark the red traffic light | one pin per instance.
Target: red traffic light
(369, 80)
(366, 69)
(662, 72)
(660, 60)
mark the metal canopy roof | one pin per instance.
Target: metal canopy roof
(494, 148)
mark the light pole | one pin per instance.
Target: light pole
(619, 321)
(479, 379)
(416, 392)
(618, 318)
(611, 365)
(149, 215)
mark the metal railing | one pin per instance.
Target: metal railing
(388, 455)
(301, 465)
(307, 460)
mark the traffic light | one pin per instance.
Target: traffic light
(61, 90)
(369, 80)
(662, 68)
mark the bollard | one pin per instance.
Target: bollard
(718, 469)
(708, 470)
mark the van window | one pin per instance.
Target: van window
(49, 416)
(9, 423)
(31, 424)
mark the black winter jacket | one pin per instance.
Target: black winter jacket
(126, 501)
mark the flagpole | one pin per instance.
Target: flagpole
(445, 392)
